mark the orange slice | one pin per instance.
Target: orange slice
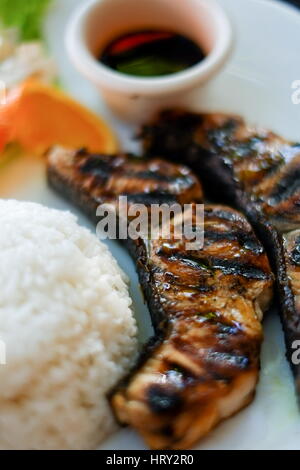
(38, 116)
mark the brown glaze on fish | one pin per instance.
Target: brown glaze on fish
(254, 169)
(206, 304)
(211, 301)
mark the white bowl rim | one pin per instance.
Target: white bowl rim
(103, 76)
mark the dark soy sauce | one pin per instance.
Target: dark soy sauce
(151, 53)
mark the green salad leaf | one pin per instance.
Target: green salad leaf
(26, 15)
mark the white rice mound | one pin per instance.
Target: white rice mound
(68, 327)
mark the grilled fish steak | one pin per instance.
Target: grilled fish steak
(255, 170)
(206, 307)
(235, 156)
(205, 368)
(90, 180)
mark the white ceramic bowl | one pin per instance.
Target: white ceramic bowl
(98, 22)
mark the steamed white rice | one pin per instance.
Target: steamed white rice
(70, 335)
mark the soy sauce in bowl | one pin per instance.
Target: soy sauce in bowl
(151, 53)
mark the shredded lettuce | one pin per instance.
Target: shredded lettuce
(26, 15)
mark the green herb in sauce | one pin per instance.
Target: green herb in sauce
(151, 53)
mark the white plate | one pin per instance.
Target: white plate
(257, 84)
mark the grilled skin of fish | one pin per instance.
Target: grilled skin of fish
(255, 170)
(206, 307)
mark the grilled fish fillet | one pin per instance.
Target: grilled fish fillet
(255, 170)
(206, 305)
